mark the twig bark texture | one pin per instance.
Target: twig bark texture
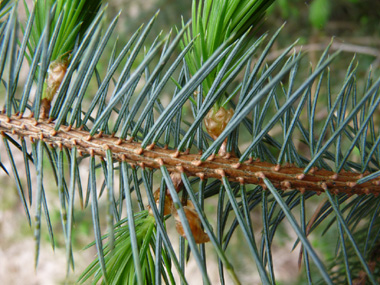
(251, 172)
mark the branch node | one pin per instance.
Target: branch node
(286, 184)
(335, 176)
(220, 172)
(227, 156)
(201, 175)
(151, 146)
(119, 141)
(260, 174)
(139, 151)
(300, 176)
(99, 135)
(160, 161)
(196, 162)
(211, 157)
(351, 184)
(313, 170)
(175, 154)
(180, 168)
(241, 180)
(276, 168)
(236, 165)
(53, 132)
(88, 138)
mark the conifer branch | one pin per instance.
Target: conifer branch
(284, 177)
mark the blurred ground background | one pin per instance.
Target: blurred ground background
(354, 26)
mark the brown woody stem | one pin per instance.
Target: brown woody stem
(250, 172)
